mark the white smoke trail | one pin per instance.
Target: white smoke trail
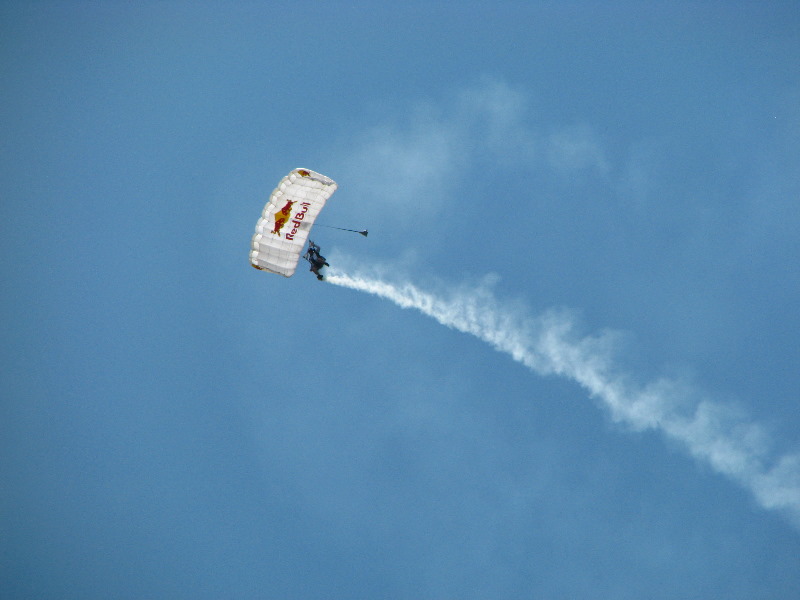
(713, 433)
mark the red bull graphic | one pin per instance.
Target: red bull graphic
(282, 217)
(298, 220)
(303, 173)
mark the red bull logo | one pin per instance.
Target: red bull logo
(303, 173)
(298, 220)
(282, 217)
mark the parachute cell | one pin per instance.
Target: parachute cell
(283, 228)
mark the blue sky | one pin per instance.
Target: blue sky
(176, 424)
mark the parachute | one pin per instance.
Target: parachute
(283, 228)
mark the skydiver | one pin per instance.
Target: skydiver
(317, 261)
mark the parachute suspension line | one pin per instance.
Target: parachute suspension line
(364, 232)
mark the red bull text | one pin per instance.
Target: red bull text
(298, 220)
(282, 217)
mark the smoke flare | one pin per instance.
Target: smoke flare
(715, 434)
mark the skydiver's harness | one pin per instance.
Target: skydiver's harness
(313, 256)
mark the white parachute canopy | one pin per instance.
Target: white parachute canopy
(283, 228)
